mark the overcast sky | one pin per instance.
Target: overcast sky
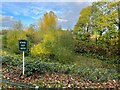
(29, 12)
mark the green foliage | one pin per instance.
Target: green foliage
(35, 65)
(4, 42)
(97, 51)
(56, 45)
(12, 38)
(45, 46)
(95, 35)
(96, 31)
(12, 61)
(30, 34)
(64, 47)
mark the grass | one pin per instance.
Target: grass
(84, 61)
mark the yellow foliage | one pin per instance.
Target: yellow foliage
(94, 36)
(39, 49)
(26, 31)
(3, 52)
(48, 37)
(45, 46)
(49, 21)
(114, 40)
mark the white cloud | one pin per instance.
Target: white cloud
(62, 20)
(7, 21)
(67, 13)
(32, 11)
(3, 18)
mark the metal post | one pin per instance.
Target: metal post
(23, 63)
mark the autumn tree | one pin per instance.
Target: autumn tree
(49, 21)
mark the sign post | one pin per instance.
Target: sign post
(23, 64)
(23, 46)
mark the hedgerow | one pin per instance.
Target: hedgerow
(40, 67)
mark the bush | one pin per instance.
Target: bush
(96, 51)
(11, 40)
(56, 46)
(9, 60)
(35, 65)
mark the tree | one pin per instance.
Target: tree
(31, 28)
(84, 20)
(12, 38)
(18, 25)
(98, 24)
(49, 21)
(30, 33)
(100, 18)
(46, 24)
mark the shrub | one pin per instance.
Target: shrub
(55, 46)
(12, 38)
(35, 65)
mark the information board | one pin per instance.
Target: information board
(23, 45)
